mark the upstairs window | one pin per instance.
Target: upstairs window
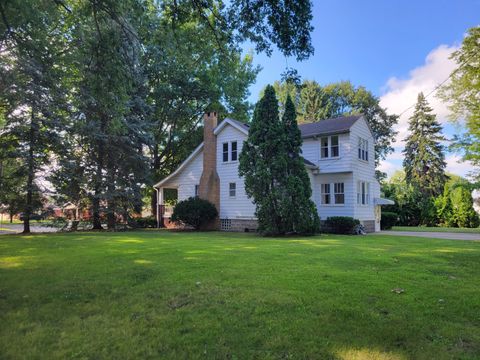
(324, 147)
(363, 193)
(233, 151)
(325, 194)
(225, 152)
(329, 147)
(339, 193)
(363, 149)
(232, 189)
(233, 154)
(334, 146)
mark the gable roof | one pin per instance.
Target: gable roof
(329, 126)
(182, 165)
(235, 123)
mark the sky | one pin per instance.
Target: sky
(394, 48)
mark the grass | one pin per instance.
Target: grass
(150, 295)
(436, 229)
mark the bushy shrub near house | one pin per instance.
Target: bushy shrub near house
(340, 225)
(389, 219)
(146, 222)
(195, 212)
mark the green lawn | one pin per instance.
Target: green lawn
(151, 295)
(436, 229)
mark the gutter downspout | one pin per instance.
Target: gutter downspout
(157, 210)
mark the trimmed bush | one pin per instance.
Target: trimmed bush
(340, 225)
(389, 219)
(146, 222)
(195, 212)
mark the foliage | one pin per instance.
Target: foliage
(461, 94)
(315, 102)
(340, 225)
(463, 214)
(452, 208)
(299, 212)
(194, 211)
(389, 219)
(145, 222)
(275, 176)
(424, 161)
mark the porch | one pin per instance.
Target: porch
(167, 198)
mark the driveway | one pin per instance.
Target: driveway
(18, 228)
(436, 235)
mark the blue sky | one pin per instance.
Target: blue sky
(394, 48)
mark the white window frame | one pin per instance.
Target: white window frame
(338, 189)
(326, 193)
(363, 149)
(225, 152)
(363, 193)
(232, 191)
(236, 150)
(329, 147)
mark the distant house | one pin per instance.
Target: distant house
(339, 157)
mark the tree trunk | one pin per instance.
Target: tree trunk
(30, 176)
(97, 222)
(111, 203)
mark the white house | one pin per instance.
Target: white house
(339, 157)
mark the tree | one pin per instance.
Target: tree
(275, 175)
(424, 161)
(315, 102)
(463, 213)
(31, 65)
(299, 212)
(461, 93)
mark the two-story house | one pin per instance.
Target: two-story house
(339, 157)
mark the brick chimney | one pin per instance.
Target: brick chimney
(209, 187)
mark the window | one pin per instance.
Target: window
(325, 194)
(363, 149)
(363, 193)
(329, 147)
(232, 189)
(324, 145)
(225, 224)
(339, 193)
(197, 187)
(225, 152)
(334, 146)
(233, 154)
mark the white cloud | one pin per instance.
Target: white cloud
(456, 166)
(399, 94)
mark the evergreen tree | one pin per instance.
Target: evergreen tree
(263, 164)
(424, 161)
(299, 212)
(274, 171)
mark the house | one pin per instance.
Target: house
(339, 157)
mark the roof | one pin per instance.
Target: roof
(235, 123)
(382, 201)
(309, 164)
(329, 126)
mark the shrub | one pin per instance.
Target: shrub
(195, 212)
(146, 222)
(340, 224)
(389, 219)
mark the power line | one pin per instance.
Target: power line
(443, 82)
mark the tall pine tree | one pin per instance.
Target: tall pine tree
(299, 212)
(424, 161)
(274, 172)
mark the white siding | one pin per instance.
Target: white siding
(311, 152)
(364, 170)
(186, 180)
(240, 206)
(325, 211)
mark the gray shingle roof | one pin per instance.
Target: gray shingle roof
(328, 126)
(246, 126)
